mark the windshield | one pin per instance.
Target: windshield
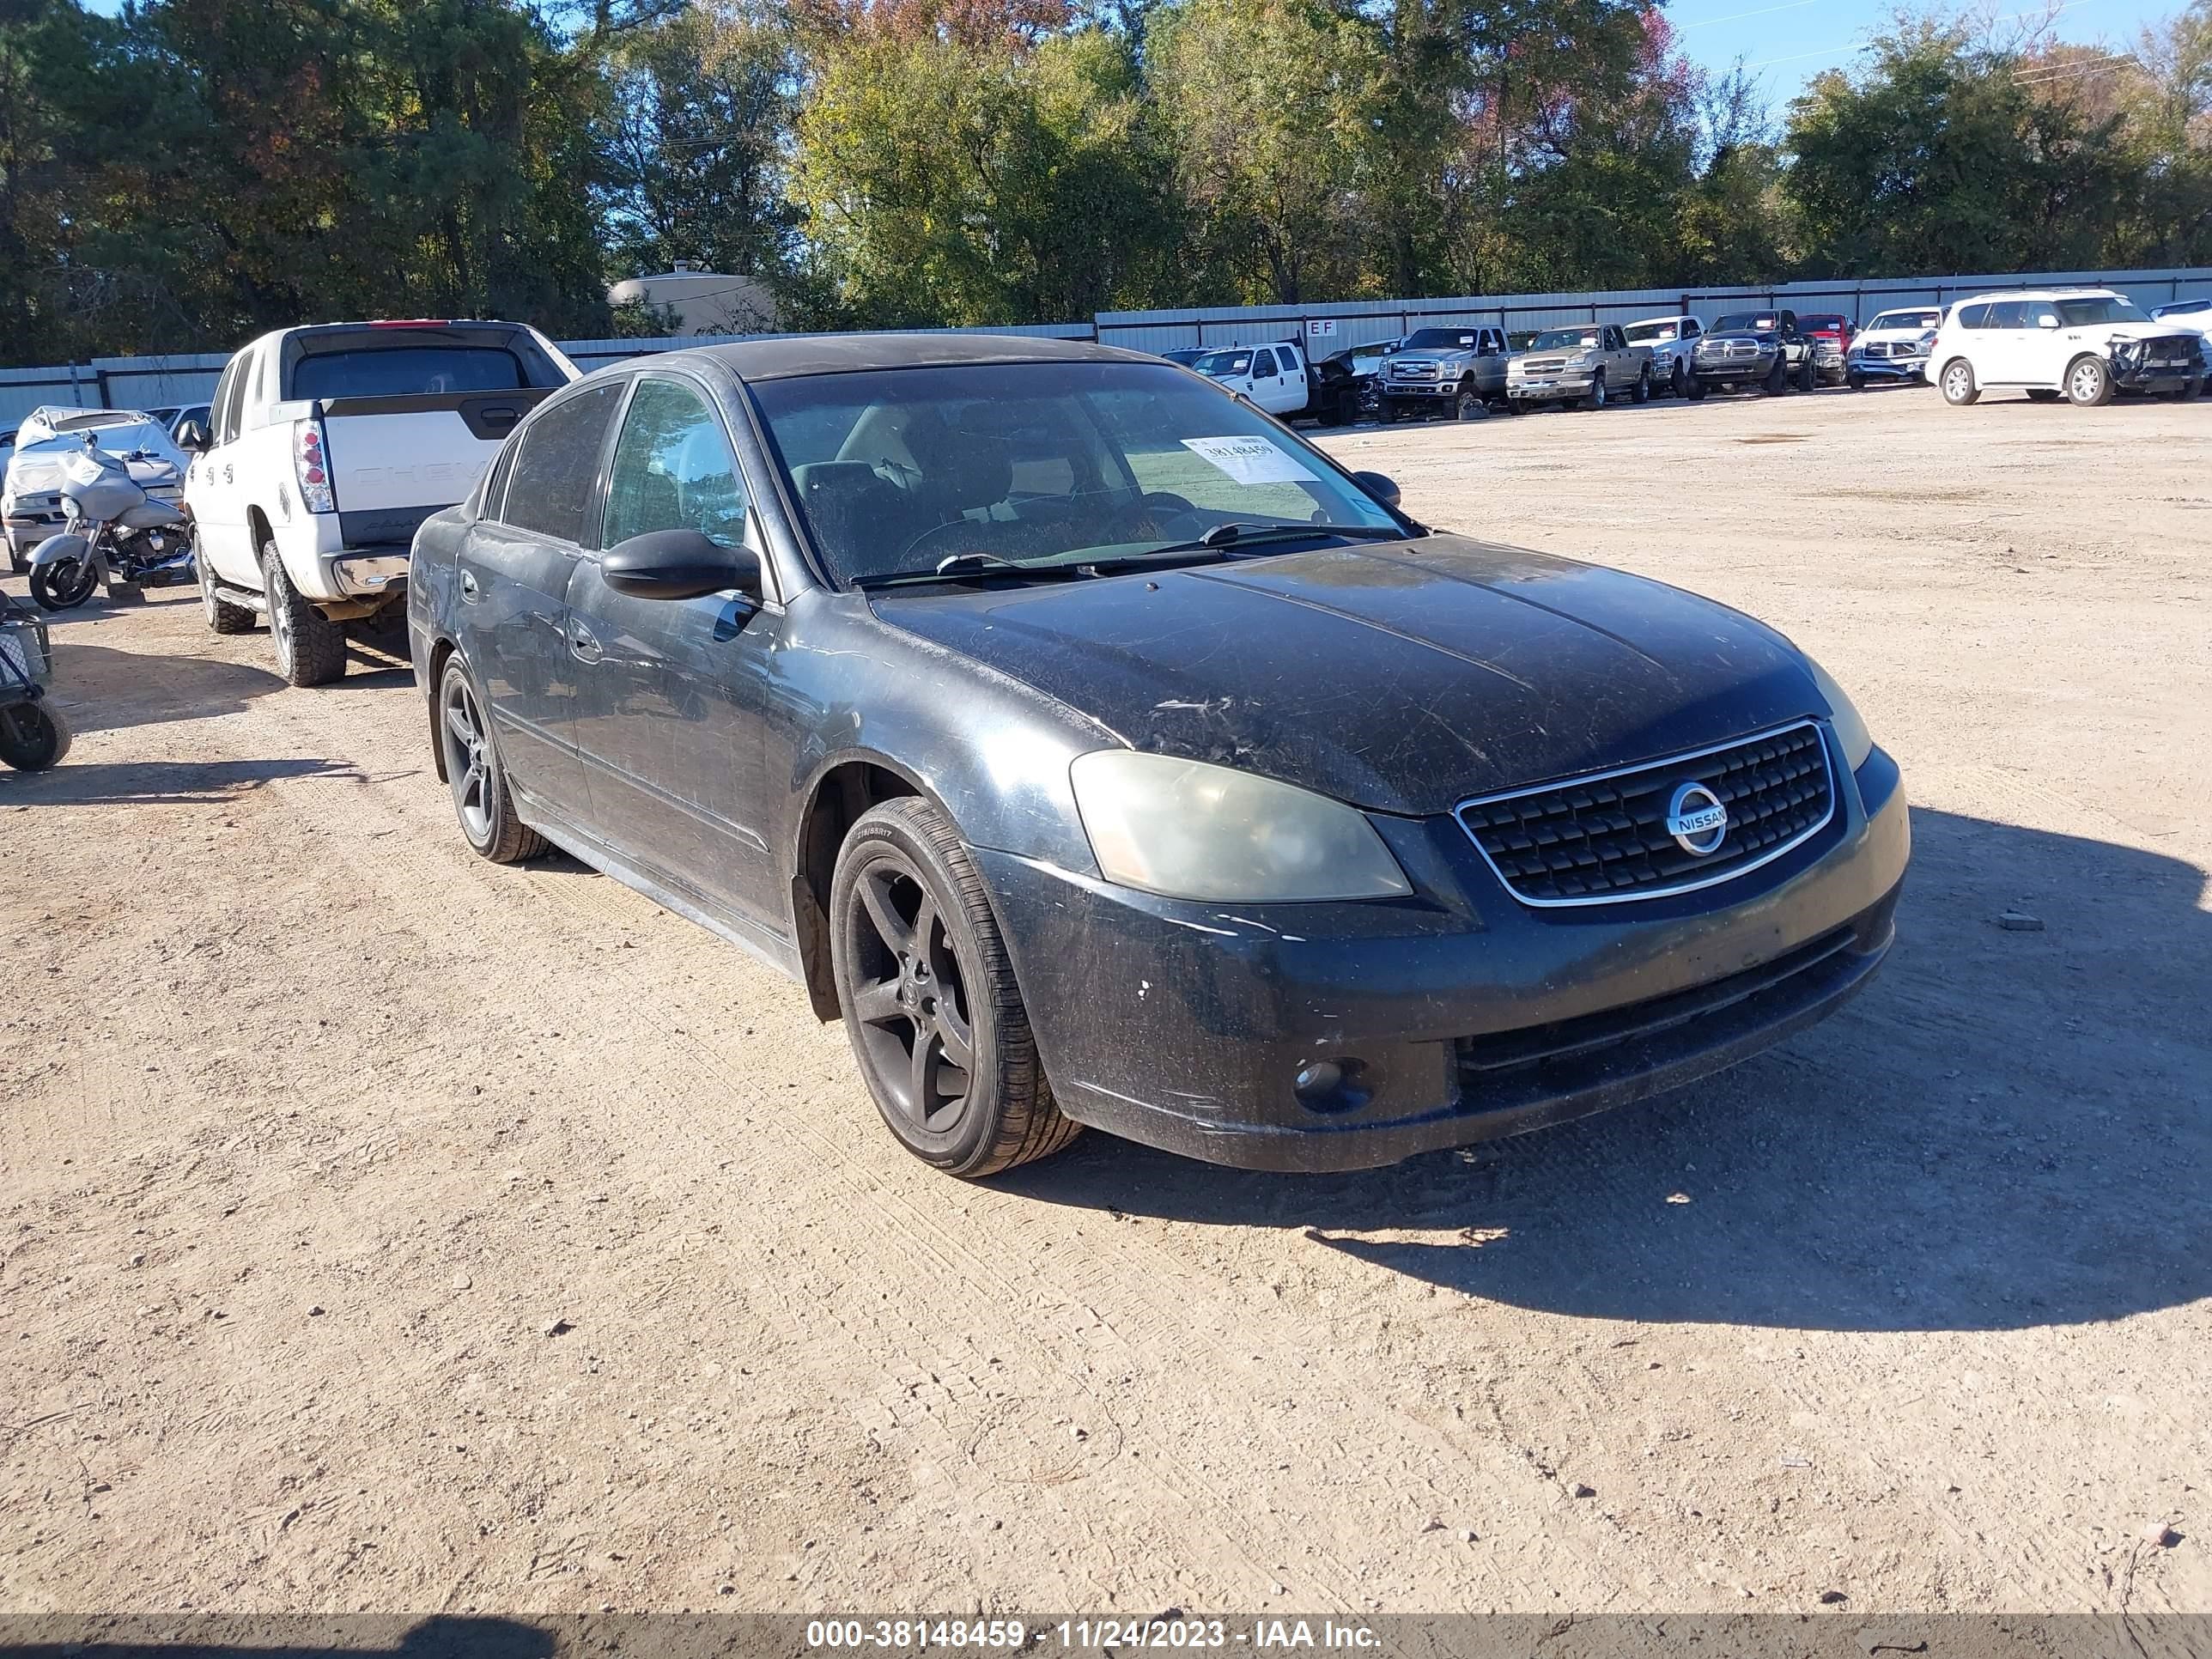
(1653, 333)
(2097, 308)
(1901, 320)
(1045, 464)
(1746, 322)
(100, 418)
(1221, 363)
(1563, 339)
(1439, 339)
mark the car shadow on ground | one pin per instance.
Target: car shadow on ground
(160, 783)
(278, 1635)
(2010, 1128)
(102, 687)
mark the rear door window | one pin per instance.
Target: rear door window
(549, 486)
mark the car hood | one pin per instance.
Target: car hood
(37, 467)
(2154, 330)
(1403, 678)
(1764, 336)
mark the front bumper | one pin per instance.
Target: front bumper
(2169, 371)
(1889, 368)
(1727, 371)
(1551, 386)
(1425, 389)
(1458, 1016)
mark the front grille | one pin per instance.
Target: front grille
(1413, 371)
(1602, 839)
(1543, 365)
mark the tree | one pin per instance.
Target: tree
(984, 180)
(691, 142)
(1937, 158)
(1272, 102)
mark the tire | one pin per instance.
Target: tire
(1678, 380)
(1855, 380)
(1641, 391)
(1698, 390)
(2089, 383)
(64, 586)
(483, 803)
(1808, 374)
(907, 909)
(33, 736)
(2189, 393)
(1597, 393)
(1469, 404)
(223, 616)
(1777, 378)
(310, 647)
(1958, 383)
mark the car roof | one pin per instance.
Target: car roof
(793, 354)
(2043, 294)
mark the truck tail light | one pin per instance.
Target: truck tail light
(311, 467)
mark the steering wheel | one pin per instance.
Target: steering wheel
(931, 535)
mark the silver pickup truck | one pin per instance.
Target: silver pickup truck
(1590, 363)
(1458, 371)
(1672, 342)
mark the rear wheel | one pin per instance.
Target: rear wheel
(2089, 383)
(1641, 391)
(936, 1020)
(1808, 374)
(310, 647)
(1678, 381)
(1958, 383)
(33, 735)
(482, 801)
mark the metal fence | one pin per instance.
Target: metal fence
(156, 382)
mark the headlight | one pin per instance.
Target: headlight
(1581, 359)
(1850, 729)
(1185, 830)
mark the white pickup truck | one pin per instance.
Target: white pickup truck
(330, 444)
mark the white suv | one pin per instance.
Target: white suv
(2083, 344)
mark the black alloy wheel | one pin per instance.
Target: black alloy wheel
(930, 1002)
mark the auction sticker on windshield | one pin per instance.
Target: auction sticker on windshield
(1249, 461)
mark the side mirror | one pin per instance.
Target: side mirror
(680, 564)
(1381, 485)
(192, 437)
(2046, 320)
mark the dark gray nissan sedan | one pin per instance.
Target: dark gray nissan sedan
(1101, 752)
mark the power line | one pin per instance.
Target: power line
(1738, 16)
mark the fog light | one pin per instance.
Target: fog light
(1330, 1085)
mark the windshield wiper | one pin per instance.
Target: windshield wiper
(954, 566)
(1237, 534)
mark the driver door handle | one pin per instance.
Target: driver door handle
(470, 592)
(584, 643)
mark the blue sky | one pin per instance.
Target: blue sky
(1787, 42)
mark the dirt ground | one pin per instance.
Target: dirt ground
(313, 1127)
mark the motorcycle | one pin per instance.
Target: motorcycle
(117, 531)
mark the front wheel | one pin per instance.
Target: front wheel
(1777, 378)
(1808, 375)
(930, 1003)
(65, 584)
(2089, 383)
(1958, 383)
(1698, 390)
(1855, 380)
(1678, 379)
(1596, 399)
(33, 736)
(223, 616)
